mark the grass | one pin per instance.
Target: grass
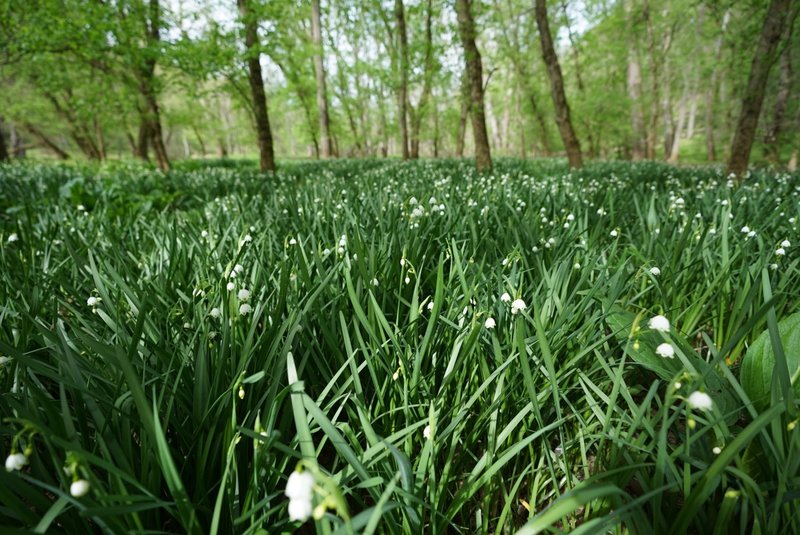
(365, 357)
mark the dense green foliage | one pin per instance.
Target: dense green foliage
(73, 71)
(366, 356)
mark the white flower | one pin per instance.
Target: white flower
(717, 450)
(244, 294)
(700, 400)
(407, 280)
(505, 298)
(292, 242)
(430, 305)
(79, 488)
(780, 251)
(412, 201)
(375, 282)
(751, 233)
(15, 461)
(300, 485)
(489, 323)
(427, 432)
(204, 234)
(300, 491)
(614, 233)
(402, 262)
(654, 271)
(230, 286)
(238, 268)
(577, 265)
(659, 323)
(215, 312)
(745, 229)
(13, 237)
(93, 301)
(570, 217)
(665, 350)
(245, 309)
(786, 243)
(299, 510)
(248, 238)
(517, 306)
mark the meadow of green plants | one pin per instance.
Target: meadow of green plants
(175, 345)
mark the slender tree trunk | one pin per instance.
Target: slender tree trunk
(261, 115)
(199, 140)
(675, 141)
(571, 143)
(777, 14)
(147, 88)
(46, 141)
(463, 116)
(637, 115)
(319, 71)
(635, 92)
(775, 129)
(143, 140)
(402, 93)
(472, 59)
(655, 85)
(3, 146)
(419, 114)
(435, 129)
(692, 115)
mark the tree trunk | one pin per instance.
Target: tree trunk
(655, 87)
(571, 143)
(764, 57)
(635, 93)
(199, 140)
(692, 116)
(463, 116)
(419, 114)
(435, 130)
(142, 143)
(319, 71)
(402, 92)
(260, 113)
(675, 141)
(147, 88)
(472, 59)
(775, 129)
(637, 115)
(46, 141)
(3, 146)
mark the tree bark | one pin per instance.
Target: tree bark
(635, 94)
(419, 114)
(571, 143)
(260, 113)
(763, 59)
(46, 141)
(402, 92)
(142, 143)
(463, 117)
(3, 146)
(675, 134)
(147, 87)
(472, 59)
(326, 147)
(775, 129)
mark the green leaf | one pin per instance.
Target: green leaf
(759, 362)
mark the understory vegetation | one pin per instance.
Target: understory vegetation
(610, 349)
